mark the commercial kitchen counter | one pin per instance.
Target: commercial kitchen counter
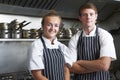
(14, 55)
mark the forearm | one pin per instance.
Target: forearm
(66, 73)
(76, 68)
(37, 74)
(101, 64)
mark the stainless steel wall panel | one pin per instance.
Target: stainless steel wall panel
(14, 56)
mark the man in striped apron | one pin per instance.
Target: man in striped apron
(92, 47)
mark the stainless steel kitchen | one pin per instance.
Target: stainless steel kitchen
(20, 25)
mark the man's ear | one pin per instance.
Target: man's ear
(96, 16)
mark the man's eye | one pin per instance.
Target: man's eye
(83, 14)
(91, 14)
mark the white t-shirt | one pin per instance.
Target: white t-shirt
(36, 60)
(106, 43)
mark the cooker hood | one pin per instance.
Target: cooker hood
(66, 8)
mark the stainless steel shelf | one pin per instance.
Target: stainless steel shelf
(1, 39)
(17, 40)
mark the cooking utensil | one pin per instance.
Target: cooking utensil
(4, 32)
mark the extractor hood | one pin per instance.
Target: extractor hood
(66, 8)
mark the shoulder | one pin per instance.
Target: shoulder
(74, 40)
(37, 47)
(104, 33)
(76, 36)
(37, 43)
(105, 37)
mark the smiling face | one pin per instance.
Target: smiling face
(88, 17)
(51, 26)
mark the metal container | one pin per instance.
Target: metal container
(4, 31)
(68, 33)
(34, 33)
(16, 30)
(15, 34)
(25, 34)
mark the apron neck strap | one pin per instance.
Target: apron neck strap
(43, 42)
(95, 32)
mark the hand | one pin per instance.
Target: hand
(75, 68)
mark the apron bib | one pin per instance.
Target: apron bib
(54, 63)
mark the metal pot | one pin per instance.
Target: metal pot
(34, 33)
(4, 31)
(68, 33)
(13, 29)
(16, 29)
(25, 34)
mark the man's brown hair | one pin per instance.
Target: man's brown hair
(88, 6)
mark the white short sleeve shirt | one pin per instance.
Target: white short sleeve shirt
(36, 60)
(106, 43)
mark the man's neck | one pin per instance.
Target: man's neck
(88, 29)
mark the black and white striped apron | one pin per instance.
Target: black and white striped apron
(88, 48)
(54, 63)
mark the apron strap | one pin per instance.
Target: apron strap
(96, 31)
(43, 42)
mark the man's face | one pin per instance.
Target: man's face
(88, 17)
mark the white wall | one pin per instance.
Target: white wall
(35, 21)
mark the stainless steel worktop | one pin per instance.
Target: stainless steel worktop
(14, 55)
